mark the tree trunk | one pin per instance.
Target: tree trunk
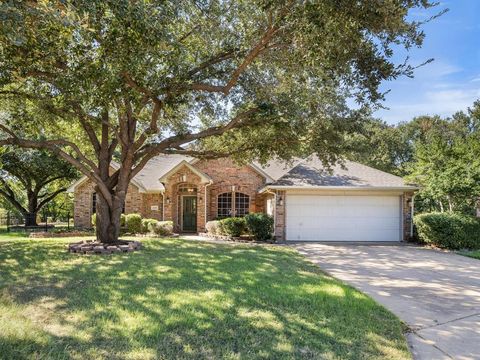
(108, 220)
(30, 218)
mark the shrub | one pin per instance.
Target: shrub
(260, 225)
(122, 220)
(146, 223)
(133, 223)
(213, 227)
(161, 228)
(449, 230)
(233, 226)
(94, 220)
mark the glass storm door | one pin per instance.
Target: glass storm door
(189, 221)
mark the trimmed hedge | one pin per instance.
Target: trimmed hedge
(161, 228)
(449, 230)
(213, 227)
(260, 225)
(234, 226)
(146, 223)
(133, 223)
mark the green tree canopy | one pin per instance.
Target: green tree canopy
(134, 79)
(442, 155)
(30, 179)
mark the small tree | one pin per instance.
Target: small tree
(134, 79)
(30, 179)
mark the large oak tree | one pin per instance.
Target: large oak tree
(30, 179)
(131, 79)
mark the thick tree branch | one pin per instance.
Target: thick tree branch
(50, 198)
(149, 151)
(250, 57)
(54, 146)
(9, 195)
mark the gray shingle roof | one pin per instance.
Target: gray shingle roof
(312, 173)
(308, 172)
(149, 176)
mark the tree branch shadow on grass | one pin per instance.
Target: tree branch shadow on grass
(178, 299)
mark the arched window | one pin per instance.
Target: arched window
(229, 201)
(242, 203)
(224, 205)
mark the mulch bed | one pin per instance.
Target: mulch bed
(241, 239)
(44, 234)
(94, 247)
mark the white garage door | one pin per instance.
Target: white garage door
(342, 218)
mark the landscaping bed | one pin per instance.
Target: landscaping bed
(88, 247)
(239, 239)
(177, 299)
(60, 234)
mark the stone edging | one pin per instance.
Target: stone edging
(94, 247)
(42, 235)
(234, 239)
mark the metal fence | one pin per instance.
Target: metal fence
(14, 223)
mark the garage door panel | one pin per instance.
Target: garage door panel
(343, 218)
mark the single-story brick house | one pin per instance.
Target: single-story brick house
(351, 203)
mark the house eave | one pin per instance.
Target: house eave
(346, 188)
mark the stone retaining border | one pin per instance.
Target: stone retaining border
(235, 239)
(94, 247)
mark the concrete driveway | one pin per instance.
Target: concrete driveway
(436, 293)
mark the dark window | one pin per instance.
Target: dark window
(224, 205)
(242, 204)
(94, 203)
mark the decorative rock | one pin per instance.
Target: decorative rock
(98, 249)
(92, 247)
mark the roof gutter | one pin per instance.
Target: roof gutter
(347, 188)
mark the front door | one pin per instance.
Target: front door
(189, 216)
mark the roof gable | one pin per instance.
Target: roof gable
(204, 177)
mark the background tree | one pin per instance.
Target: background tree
(442, 155)
(447, 162)
(30, 179)
(249, 78)
(385, 147)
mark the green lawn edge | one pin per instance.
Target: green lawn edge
(180, 299)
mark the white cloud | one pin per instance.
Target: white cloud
(441, 102)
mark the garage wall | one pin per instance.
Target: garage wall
(404, 213)
(343, 218)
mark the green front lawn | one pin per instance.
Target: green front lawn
(473, 254)
(180, 299)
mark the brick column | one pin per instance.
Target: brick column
(407, 199)
(201, 208)
(280, 204)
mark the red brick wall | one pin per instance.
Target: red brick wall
(225, 174)
(135, 202)
(173, 205)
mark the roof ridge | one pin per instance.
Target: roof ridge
(375, 169)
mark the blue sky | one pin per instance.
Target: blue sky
(450, 83)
